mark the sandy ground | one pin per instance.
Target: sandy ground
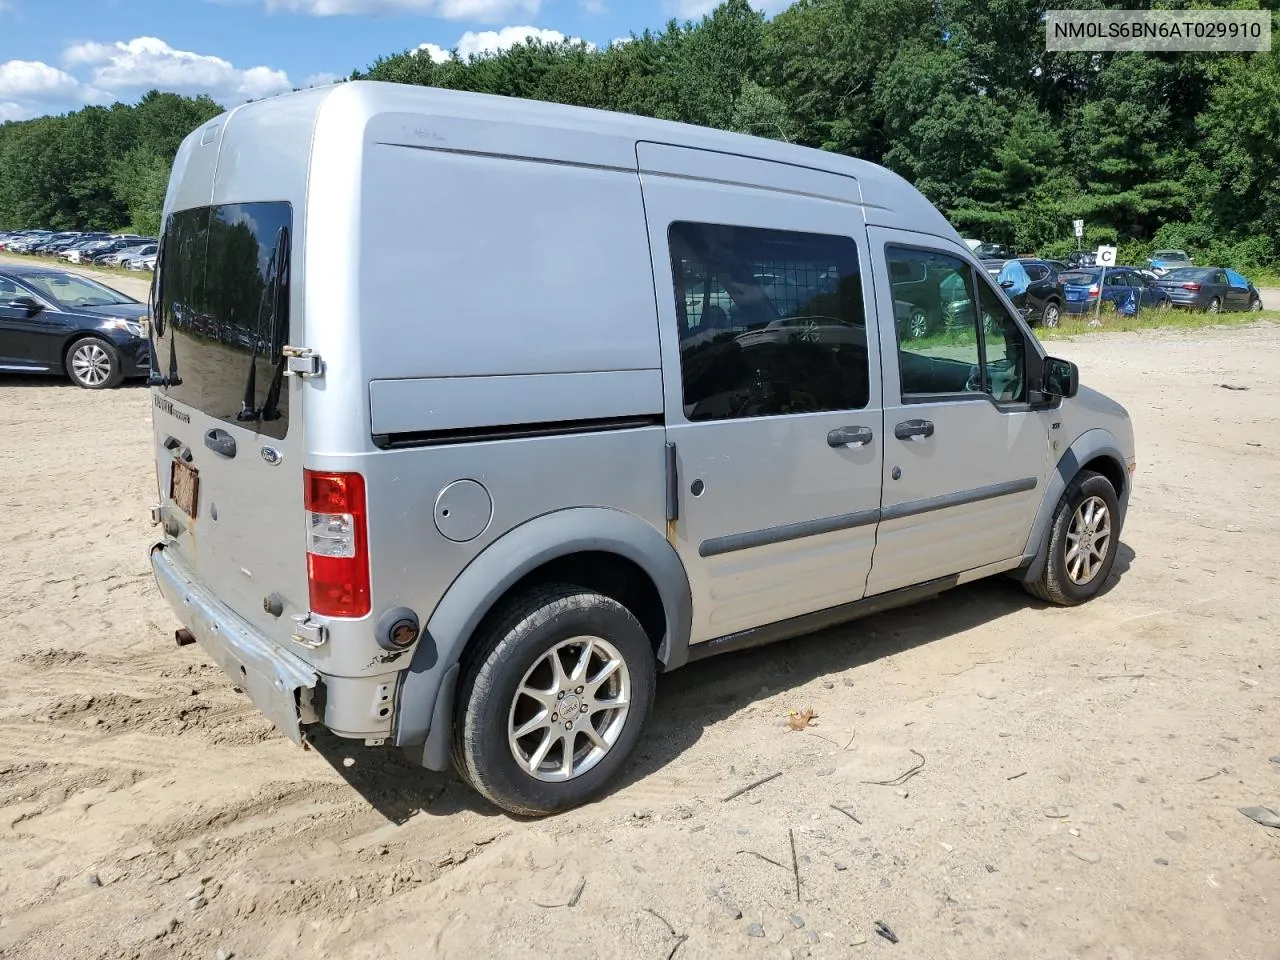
(1078, 799)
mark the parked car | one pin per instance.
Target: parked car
(482, 542)
(1212, 289)
(54, 322)
(993, 251)
(1081, 258)
(1162, 261)
(144, 262)
(121, 257)
(1033, 286)
(1122, 285)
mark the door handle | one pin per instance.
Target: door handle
(914, 430)
(849, 437)
(219, 441)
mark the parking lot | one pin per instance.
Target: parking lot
(1082, 768)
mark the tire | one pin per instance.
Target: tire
(94, 364)
(1051, 316)
(1164, 305)
(514, 652)
(1255, 304)
(1056, 583)
(918, 324)
(1215, 306)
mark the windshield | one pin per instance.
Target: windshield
(67, 290)
(1187, 273)
(222, 312)
(1171, 255)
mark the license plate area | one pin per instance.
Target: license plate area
(184, 487)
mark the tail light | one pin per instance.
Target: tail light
(1094, 290)
(1193, 287)
(337, 544)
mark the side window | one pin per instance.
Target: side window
(9, 292)
(935, 315)
(1117, 279)
(1004, 349)
(953, 337)
(771, 322)
(1037, 272)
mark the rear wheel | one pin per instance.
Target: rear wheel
(94, 364)
(1083, 540)
(1051, 315)
(1255, 303)
(918, 324)
(552, 700)
(1215, 305)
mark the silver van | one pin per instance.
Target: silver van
(473, 414)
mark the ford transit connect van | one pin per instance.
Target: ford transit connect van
(473, 415)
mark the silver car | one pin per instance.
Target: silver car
(473, 415)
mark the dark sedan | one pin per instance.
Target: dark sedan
(1033, 285)
(52, 321)
(1210, 288)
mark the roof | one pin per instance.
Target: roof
(24, 270)
(566, 130)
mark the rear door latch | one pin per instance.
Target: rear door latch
(308, 633)
(303, 362)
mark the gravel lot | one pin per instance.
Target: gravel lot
(1078, 799)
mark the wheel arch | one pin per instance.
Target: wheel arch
(599, 548)
(1096, 450)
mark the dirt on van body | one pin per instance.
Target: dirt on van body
(985, 776)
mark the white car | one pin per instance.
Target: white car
(142, 263)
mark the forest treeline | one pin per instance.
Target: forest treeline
(959, 96)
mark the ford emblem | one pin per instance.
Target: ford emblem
(271, 455)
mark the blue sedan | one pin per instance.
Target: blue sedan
(1123, 286)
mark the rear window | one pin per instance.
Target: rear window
(221, 316)
(1079, 278)
(1186, 273)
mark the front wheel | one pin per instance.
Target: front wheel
(1083, 540)
(1215, 305)
(94, 364)
(552, 700)
(1255, 304)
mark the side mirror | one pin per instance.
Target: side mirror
(30, 304)
(1007, 284)
(1061, 378)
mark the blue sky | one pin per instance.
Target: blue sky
(58, 55)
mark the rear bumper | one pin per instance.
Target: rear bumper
(279, 683)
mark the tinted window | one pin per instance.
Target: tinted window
(222, 315)
(1036, 271)
(1188, 273)
(949, 340)
(771, 322)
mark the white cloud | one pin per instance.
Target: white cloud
(438, 54)
(619, 41)
(322, 79)
(146, 62)
(484, 11)
(13, 111)
(33, 80)
(474, 43)
(495, 41)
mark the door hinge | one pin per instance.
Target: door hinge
(303, 362)
(308, 633)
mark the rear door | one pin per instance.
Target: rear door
(772, 384)
(228, 436)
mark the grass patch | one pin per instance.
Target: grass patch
(1077, 325)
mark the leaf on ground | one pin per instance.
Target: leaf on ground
(798, 720)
